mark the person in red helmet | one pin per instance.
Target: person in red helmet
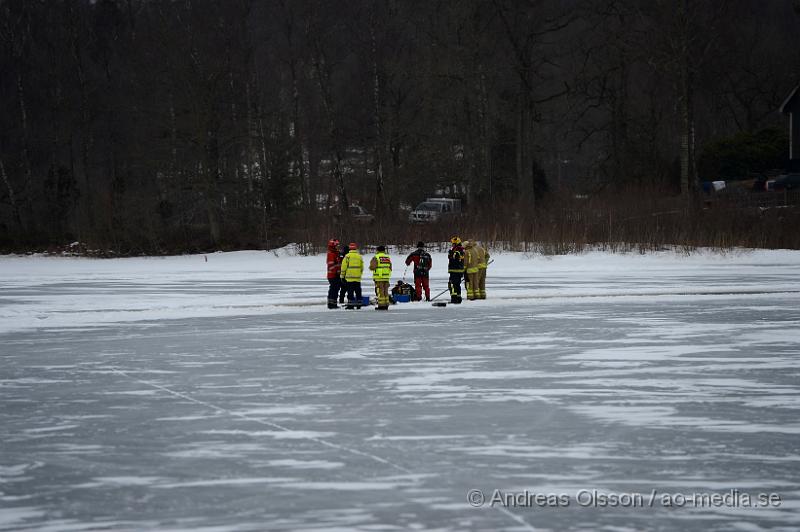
(422, 266)
(334, 271)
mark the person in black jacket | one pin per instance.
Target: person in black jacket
(422, 267)
(402, 289)
(343, 289)
(455, 267)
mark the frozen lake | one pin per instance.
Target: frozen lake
(180, 394)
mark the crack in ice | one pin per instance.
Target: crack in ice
(245, 417)
(320, 441)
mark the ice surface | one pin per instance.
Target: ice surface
(183, 394)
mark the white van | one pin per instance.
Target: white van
(435, 209)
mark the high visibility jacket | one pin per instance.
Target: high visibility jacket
(381, 266)
(471, 258)
(483, 257)
(352, 266)
(455, 259)
(334, 263)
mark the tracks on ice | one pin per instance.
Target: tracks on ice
(721, 291)
(127, 374)
(259, 421)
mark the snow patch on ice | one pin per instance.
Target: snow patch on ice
(305, 464)
(666, 417)
(277, 434)
(119, 481)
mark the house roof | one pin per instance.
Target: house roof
(789, 99)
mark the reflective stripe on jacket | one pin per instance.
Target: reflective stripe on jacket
(334, 264)
(483, 257)
(471, 258)
(352, 266)
(455, 259)
(381, 266)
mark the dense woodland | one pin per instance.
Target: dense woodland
(148, 126)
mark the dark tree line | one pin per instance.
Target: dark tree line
(153, 125)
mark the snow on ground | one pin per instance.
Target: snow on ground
(43, 291)
(216, 392)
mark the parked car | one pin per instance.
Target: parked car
(357, 214)
(435, 209)
(759, 184)
(360, 214)
(787, 182)
(710, 187)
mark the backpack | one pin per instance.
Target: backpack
(424, 263)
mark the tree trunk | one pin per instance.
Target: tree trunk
(252, 133)
(87, 192)
(173, 138)
(525, 190)
(323, 79)
(686, 99)
(484, 128)
(26, 160)
(297, 139)
(212, 173)
(619, 125)
(376, 95)
(12, 197)
(263, 177)
(298, 151)
(213, 220)
(687, 141)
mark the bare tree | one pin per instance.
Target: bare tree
(15, 32)
(323, 66)
(528, 26)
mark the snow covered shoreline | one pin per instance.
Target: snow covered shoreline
(47, 292)
(146, 392)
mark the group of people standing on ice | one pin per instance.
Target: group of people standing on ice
(465, 262)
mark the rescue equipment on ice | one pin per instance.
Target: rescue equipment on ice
(439, 303)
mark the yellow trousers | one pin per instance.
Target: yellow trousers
(472, 285)
(382, 292)
(480, 285)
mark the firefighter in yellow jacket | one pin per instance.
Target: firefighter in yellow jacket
(352, 268)
(471, 261)
(381, 266)
(483, 264)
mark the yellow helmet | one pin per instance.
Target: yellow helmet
(455, 240)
